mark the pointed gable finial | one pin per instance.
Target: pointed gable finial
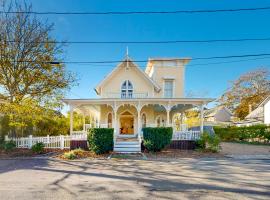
(127, 58)
(127, 52)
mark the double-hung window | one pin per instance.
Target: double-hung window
(168, 88)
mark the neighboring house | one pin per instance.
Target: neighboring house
(261, 115)
(217, 115)
(130, 99)
(2, 101)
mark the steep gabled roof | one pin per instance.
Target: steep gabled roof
(256, 114)
(114, 71)
(264, 101)
(212, 112)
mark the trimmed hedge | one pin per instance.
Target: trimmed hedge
(251, 133)
(156, 139)
(100, 140)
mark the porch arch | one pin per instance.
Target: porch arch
(153, 111)
(126, 120)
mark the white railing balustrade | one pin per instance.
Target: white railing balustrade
(78, 135)
(127, 96)
(155, 125)
(186, 135)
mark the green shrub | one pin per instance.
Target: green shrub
(208, 142)
(251, 133)
(38, 148)
(100, 140)
(156, 139)
(9, 145)
(74, 154)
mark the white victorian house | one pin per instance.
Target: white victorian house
(130, 99)
(260, 115)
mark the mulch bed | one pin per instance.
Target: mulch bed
(54, 153)
(177, 153)
(21, 152)
(84, 155)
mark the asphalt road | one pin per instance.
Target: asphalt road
(129, 179)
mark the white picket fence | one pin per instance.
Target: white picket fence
(186, 135)
(63, 142)
(51, 142)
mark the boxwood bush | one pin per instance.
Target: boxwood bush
(8, 145)
(156, 139)
(100, 140)
(251, 133)
(38, 147)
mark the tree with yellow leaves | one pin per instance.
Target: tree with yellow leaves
(247, 91)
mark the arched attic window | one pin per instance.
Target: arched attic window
(126, 90)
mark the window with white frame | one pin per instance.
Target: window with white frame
(126, 90)
(168, 88)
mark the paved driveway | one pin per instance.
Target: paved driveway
(129, 179)
(231, 148)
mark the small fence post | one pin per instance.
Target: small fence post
(30, 141)
(62, 142)
(48, 141)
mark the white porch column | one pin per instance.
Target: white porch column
(83, 122)
(115, 125)
(168, 116)
(138, 107)
(201, 118)
(90, 120)
(182, 118)
(139, 123)
(71, 119)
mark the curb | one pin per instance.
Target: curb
(247, 157)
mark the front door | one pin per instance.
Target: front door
(126, 124)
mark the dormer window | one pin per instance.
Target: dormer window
(126, 90)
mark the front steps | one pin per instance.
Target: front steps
(127, 145)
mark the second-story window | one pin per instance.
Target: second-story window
(126, 90)
(168, 88)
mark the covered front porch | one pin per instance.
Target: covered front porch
(129, 116)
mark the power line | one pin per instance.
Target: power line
(144, 42)
(136, 12)
(197, 64)
(224, 62)
(141, 61)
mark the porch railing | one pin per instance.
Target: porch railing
(78, 135)
(186, 135)
(127, 96)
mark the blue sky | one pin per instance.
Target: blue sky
(209, 80)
